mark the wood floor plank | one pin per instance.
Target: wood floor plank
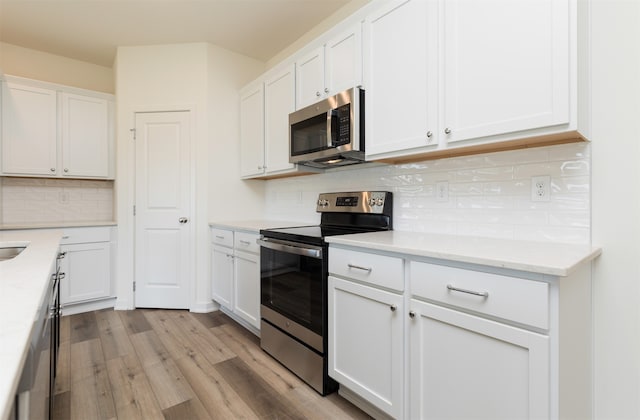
(63, 376)
(248, 349)
(188, 410)
(83, 327)
(91, 395)
(132, 392)
(255, 391)
(217, 396)
(211, 319)
(134, 321)
(168, 384)
(113, 335)
(62, 406)
(188, 329)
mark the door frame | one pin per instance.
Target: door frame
(126, 199)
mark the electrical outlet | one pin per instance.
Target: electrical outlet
(540, 188)
(442, 191)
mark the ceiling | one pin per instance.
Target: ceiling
(91, 30)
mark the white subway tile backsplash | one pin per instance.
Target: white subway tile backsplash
(35, 200)
(489, 195)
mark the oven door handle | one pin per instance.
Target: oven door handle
(307, 251)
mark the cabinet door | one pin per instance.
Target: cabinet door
(401, 77)
(366, 343)
(247, 287)
(506, 66)
(87, 269)
(85, 136)
(29, 130)
(279, 102)
(343, 61)
(222, 276)
(252, 131)
(310, 78)
(462, 366)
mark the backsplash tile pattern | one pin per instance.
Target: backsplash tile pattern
(489, 194)
(40, 200)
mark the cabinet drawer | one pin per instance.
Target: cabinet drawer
(86, 235)
(379, 270)
(222, 237)
(510, 298)
(246, 242)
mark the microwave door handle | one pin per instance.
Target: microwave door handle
(329, 132)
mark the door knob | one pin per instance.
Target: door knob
(183, 220)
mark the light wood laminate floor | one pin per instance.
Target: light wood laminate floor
(155, 364)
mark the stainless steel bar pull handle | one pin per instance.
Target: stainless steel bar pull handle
(467, 291)
(245, 242)
(357, 267)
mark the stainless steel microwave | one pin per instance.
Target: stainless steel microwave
(330, 132)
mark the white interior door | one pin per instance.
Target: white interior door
(163, 209)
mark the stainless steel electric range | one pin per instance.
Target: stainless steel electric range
(293, 280)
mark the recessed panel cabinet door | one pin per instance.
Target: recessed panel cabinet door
(462, 366)
(87, 272)
(222, 276)
(247, 285)
(310, 81)
(505, 66)
(279, 102)
(400, 77)
(366, 343)
(85, 136)
(29, 130)
(252, 130)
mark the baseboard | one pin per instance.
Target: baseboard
(204, 307)
(96, 305)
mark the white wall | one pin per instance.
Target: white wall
(201, 78)
(24, 62)
(615, 126)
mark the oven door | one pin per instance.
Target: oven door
(293, 289)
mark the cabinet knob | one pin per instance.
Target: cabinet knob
(393, 308)
(183, 220)
(66, 169)
(52, 169)
(412, 314)
(429, 134)
(259, 168)
(317, 93)
(326, 90)
(447, 130)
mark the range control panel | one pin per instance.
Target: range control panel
(374, 202)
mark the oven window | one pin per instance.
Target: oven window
(292, 285)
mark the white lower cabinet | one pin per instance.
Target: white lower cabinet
(440, 339)
(86, 263)
(235, 275)
(463, 366)
(366, 342)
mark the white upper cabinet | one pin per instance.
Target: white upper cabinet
(279, 102)
(447, 74)
(505, 66)
(401, 79)
(252, 130)
(55, 131)
(29, 130)
(330, 68)
(85, 136)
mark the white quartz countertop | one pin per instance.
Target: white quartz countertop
(23, 286)
(537, 257)
(55, 225)
(254, 226)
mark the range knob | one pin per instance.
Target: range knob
(372, 201)
(379, 201)
(323, 202)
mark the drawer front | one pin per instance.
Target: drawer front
(86, 235)
(222, 237)
(510, 298)
(375, 269)
(246, 242)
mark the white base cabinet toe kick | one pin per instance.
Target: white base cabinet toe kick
(423, 338)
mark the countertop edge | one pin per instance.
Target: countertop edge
(56, 225)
